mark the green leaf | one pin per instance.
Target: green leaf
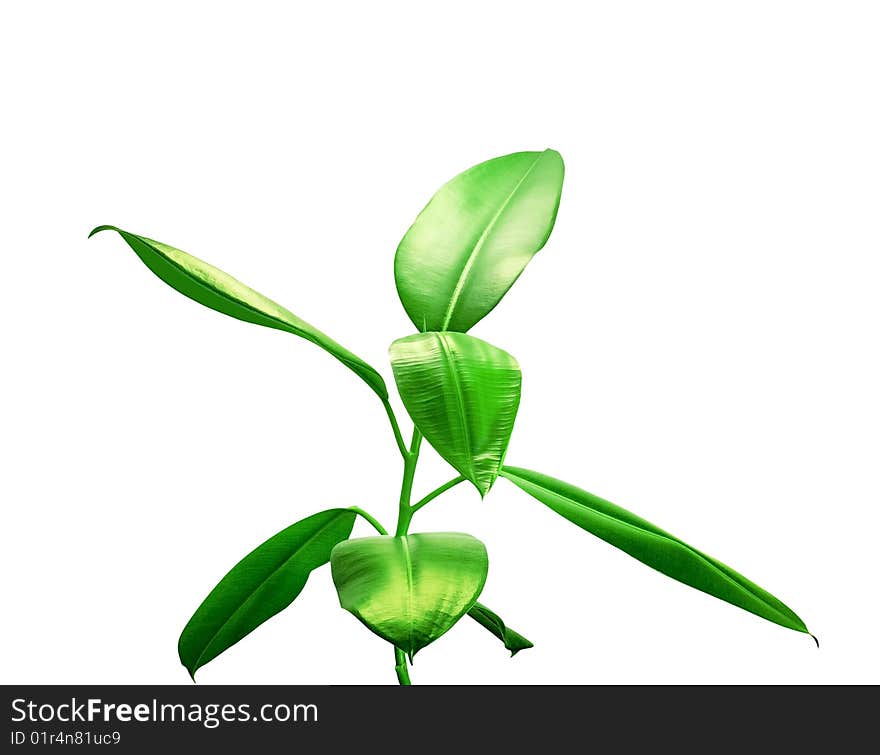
(463, 394)
(513, 641)
(474, 238)
(652, 546)
(217, 290)
(263, 583)
(411, 589)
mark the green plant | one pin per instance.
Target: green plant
(463, 252)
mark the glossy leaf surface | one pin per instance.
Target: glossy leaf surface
(470, 243)
(411, 589)
(463, 394)
(652, 546)
(219, 291)
(263, 583)
(513, 641)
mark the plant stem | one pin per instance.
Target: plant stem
(434, 493)
(404, 512)
(392, 418)
(404, 515)
(400, 667)
(370, 518)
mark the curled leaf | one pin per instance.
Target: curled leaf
(490, 620)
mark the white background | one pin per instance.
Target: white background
(698, 339)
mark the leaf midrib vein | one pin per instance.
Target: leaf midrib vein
(459, 404)
(472, 256)
(407, 560)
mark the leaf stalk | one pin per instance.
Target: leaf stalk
(434, 493)
(370, 518)
(392, 418)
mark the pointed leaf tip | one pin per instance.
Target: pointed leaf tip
(815, 639)
(98, 229)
